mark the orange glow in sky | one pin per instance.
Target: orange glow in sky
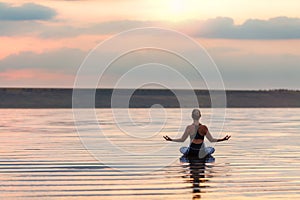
(173, 10)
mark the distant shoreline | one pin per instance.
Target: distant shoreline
(145, 98)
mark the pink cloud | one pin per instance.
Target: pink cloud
(15, 45)
(36, 74)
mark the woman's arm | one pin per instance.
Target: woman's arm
(182, 139)
(212, 139)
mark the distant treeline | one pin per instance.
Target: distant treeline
(144, 98)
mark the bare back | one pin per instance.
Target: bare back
(192, 129)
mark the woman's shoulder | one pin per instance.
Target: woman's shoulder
(190, 127)
(203, 129)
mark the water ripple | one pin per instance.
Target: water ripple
(41, 157)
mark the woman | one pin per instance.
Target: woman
(196, 131)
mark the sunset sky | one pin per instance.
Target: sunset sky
(255, 44)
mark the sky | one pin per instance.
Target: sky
(255, 44)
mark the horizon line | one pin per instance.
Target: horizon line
(70, 88)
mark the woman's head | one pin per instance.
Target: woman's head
(196, 114)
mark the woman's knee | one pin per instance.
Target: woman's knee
(209, 150)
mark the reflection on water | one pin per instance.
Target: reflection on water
(41, 157)
(196, 172)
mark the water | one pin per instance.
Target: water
(42, 157)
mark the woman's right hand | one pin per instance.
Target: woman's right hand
(167, 138)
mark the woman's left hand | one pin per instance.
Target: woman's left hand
(167, 138)
(227, 137)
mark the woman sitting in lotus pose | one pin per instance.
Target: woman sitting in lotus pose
(197, 132)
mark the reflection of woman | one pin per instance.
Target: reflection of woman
(196, 131)
(197, 174)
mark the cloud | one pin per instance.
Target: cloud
(65, 60)
(222, 27)
(35, 78)
(110, 27)
(9, 28)
(29, 74)
(274, 28)
(20, 28)
(28, 11)
(243, 71)
(55, 68)
(262, 71)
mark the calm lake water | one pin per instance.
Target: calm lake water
(42, 156)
